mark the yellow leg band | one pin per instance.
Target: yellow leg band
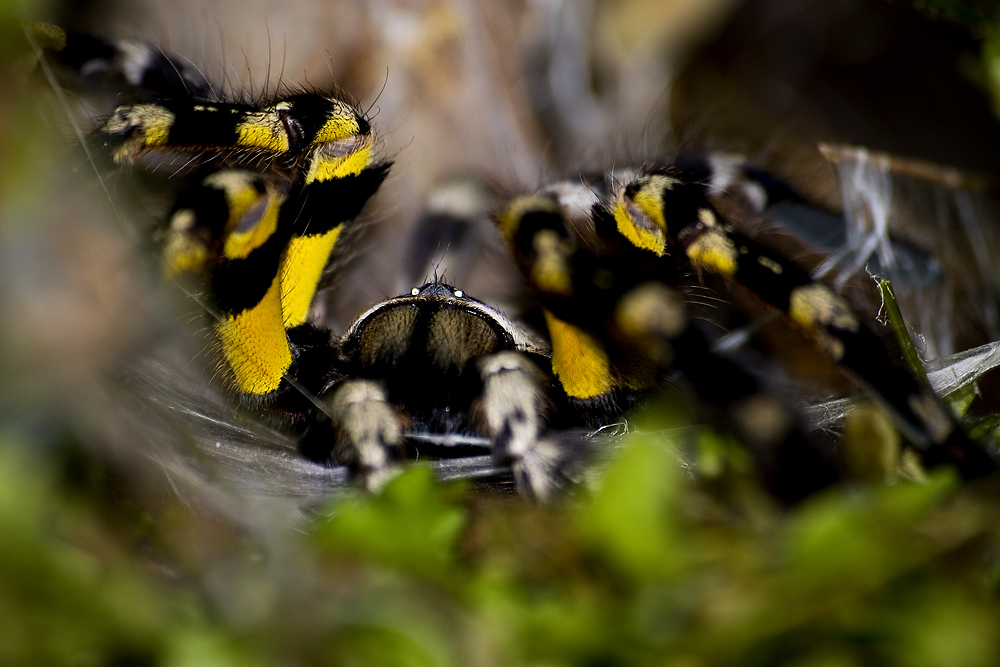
(578, 360)
(301, 269)
(255, 345)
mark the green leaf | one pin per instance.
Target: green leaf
(413, 524)
(632, 520)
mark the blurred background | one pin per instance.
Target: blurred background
(125, 540)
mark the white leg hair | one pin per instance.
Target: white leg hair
(512, 408)
(368, 429)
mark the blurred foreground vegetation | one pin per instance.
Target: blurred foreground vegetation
(645, 565)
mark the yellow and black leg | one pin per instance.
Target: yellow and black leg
(226, 227)
(668, 211)
(616, 326)
(289, 127)
(315, 218)
(263, 252)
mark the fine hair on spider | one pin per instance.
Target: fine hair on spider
(273, 184)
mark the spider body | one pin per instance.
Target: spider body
(605, 257)
(415, 369)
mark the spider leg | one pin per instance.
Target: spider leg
(368, 431)
(261, 235)
(617, 325)
(513, 409)
(667, 209)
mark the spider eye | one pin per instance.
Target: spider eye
(415, 291)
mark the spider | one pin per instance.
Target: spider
(274, 185)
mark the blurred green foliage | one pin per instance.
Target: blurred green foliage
(649, 564)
